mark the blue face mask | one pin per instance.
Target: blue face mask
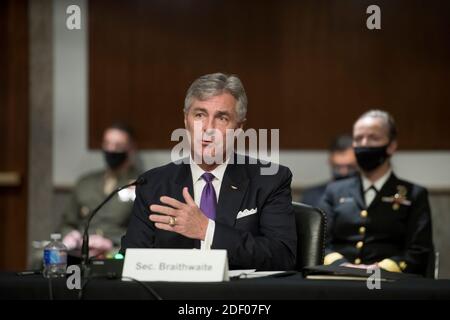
(370, 158)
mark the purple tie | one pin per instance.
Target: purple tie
(208, 200)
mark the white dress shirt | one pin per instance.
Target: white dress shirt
(369, 193)
(199, 183)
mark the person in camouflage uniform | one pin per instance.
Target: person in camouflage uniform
(110, 223)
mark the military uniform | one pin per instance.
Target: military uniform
(394, 230)
(312, 196)
(90, 190)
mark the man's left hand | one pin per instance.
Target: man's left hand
(187, 218)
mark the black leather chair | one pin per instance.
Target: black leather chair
(311, 232)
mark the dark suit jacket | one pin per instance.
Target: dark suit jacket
(266, 240)
(400, 233)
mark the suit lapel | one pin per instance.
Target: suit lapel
(357, 193)
(232, 191)
(183, 178)
(387, 190)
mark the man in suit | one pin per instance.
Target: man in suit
(377, 219)
(343, 165)
(221, 204)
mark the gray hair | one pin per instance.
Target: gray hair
(215, 84)
(387, 119)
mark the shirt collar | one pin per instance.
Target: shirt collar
(197, 172)
(377, 184)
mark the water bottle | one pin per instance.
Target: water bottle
(55, 257)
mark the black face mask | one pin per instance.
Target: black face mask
(114, 159)
(339, 176)
(370, 158)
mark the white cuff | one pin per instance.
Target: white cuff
(206, 244)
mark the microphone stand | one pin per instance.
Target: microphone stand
(85, 246)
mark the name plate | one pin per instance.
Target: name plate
(181, 265)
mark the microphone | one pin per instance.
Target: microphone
(85, 246)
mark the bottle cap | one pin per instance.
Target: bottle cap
(55, 236)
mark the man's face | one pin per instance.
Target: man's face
(343, 163)
(115, 140)
(212, 118)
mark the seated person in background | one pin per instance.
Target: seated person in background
(218, 204)
(375, 218)
(91, 189)
(343, 165)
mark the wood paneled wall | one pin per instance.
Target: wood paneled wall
(309, 67)
(13, 133)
